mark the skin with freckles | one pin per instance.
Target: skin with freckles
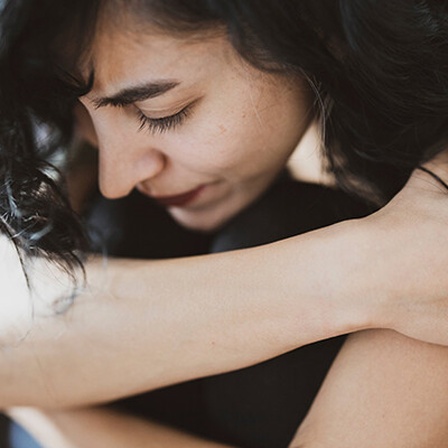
(189, 122)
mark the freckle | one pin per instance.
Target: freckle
(222, 129)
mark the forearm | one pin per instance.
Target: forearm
(102, 428)
(145, 324)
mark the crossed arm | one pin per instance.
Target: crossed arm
(307, 306)
(138, 328)
(384, 390)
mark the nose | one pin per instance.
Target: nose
(127, 157)
(121, 168)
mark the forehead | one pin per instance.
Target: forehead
(122, 56)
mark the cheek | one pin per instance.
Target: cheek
(211, 146)
(233, 152)
(212, 156)
(238, 138)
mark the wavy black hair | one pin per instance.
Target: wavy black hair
(379, 70)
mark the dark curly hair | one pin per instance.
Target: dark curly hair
(379, 70)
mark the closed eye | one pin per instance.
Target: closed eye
(163, 124)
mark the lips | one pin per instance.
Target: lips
(179, 200)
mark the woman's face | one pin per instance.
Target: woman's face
(188, 123)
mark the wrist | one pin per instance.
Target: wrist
(330, 272)
(407, 263)
(372, 287)
(351, 281)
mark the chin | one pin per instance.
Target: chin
(200, 222)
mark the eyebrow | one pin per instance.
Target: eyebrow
(131, 95)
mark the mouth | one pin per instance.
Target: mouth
(179, 200)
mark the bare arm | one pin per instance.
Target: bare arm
(146, 324)
(102, 428)
(384, 390)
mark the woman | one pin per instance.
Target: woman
(173, 68)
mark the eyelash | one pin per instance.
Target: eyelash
(164, 124)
